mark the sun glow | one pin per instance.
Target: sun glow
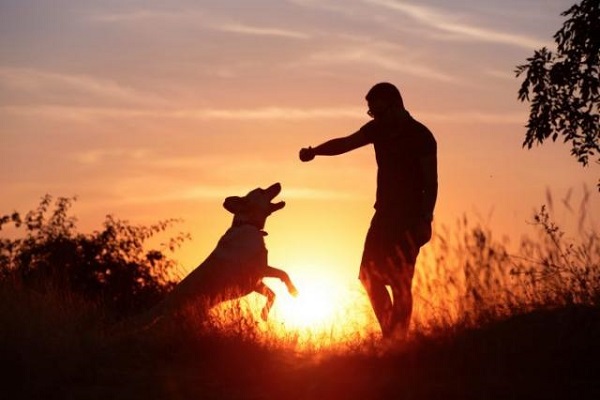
(326, 313)
(314, 306)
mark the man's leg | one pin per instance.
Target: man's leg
(403, 301)
(374, 285)
(380, 300)
(404, 260)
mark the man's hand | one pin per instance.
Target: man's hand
(422, 232)
(307, 154)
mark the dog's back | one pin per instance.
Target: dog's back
(234, 267)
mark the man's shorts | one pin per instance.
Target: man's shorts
(391, 247)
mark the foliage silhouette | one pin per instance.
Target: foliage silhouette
(542, 343)
(565, 86)
(111, 266)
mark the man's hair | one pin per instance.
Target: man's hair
(387, 92)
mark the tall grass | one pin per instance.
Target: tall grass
(59, 345)
(467, 276)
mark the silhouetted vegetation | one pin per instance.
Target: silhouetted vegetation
(526, 327)
(111, 266)
(565, 86)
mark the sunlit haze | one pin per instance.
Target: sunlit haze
(150, 110)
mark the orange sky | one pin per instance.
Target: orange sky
(148, 110)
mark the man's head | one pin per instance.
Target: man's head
(382, 99)
(255, 207)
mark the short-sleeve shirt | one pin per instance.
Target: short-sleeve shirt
(399, 146)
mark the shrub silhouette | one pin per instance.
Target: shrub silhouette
(110, 266)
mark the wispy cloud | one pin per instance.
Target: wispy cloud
(269, 113)
(341, 7)
(214, 22)
(219, 192)
(306, 193)
(372, 52)
(500, 74)
(448, 23)
(98, 156)
(145, 15)
(264, 113)
(47, 83)
(261, 31)
(133, 196)
(381, 59)
(476, 116)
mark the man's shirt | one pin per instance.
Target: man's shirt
(400, 144)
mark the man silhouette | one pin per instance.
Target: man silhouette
(406, 154)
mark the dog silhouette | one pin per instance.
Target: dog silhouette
(238, 264)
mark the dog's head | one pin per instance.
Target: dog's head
(255, 207)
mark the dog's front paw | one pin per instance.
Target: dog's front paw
(293, 291)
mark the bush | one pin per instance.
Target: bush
(111, 266)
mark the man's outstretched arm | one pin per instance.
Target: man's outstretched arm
(335, 147)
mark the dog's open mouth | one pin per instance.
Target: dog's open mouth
(272, 191)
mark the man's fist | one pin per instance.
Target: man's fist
(307, 154)
(422, 233)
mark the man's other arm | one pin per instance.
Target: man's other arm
(430, 184)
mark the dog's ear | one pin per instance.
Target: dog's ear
(234, 204)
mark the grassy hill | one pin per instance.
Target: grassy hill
(54, 348)
(502, 326)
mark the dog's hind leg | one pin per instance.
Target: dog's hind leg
(272, 272)
(269, 294)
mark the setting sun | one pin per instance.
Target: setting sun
(314, 306)
(327, 312)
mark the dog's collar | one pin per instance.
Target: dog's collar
(237, 224)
